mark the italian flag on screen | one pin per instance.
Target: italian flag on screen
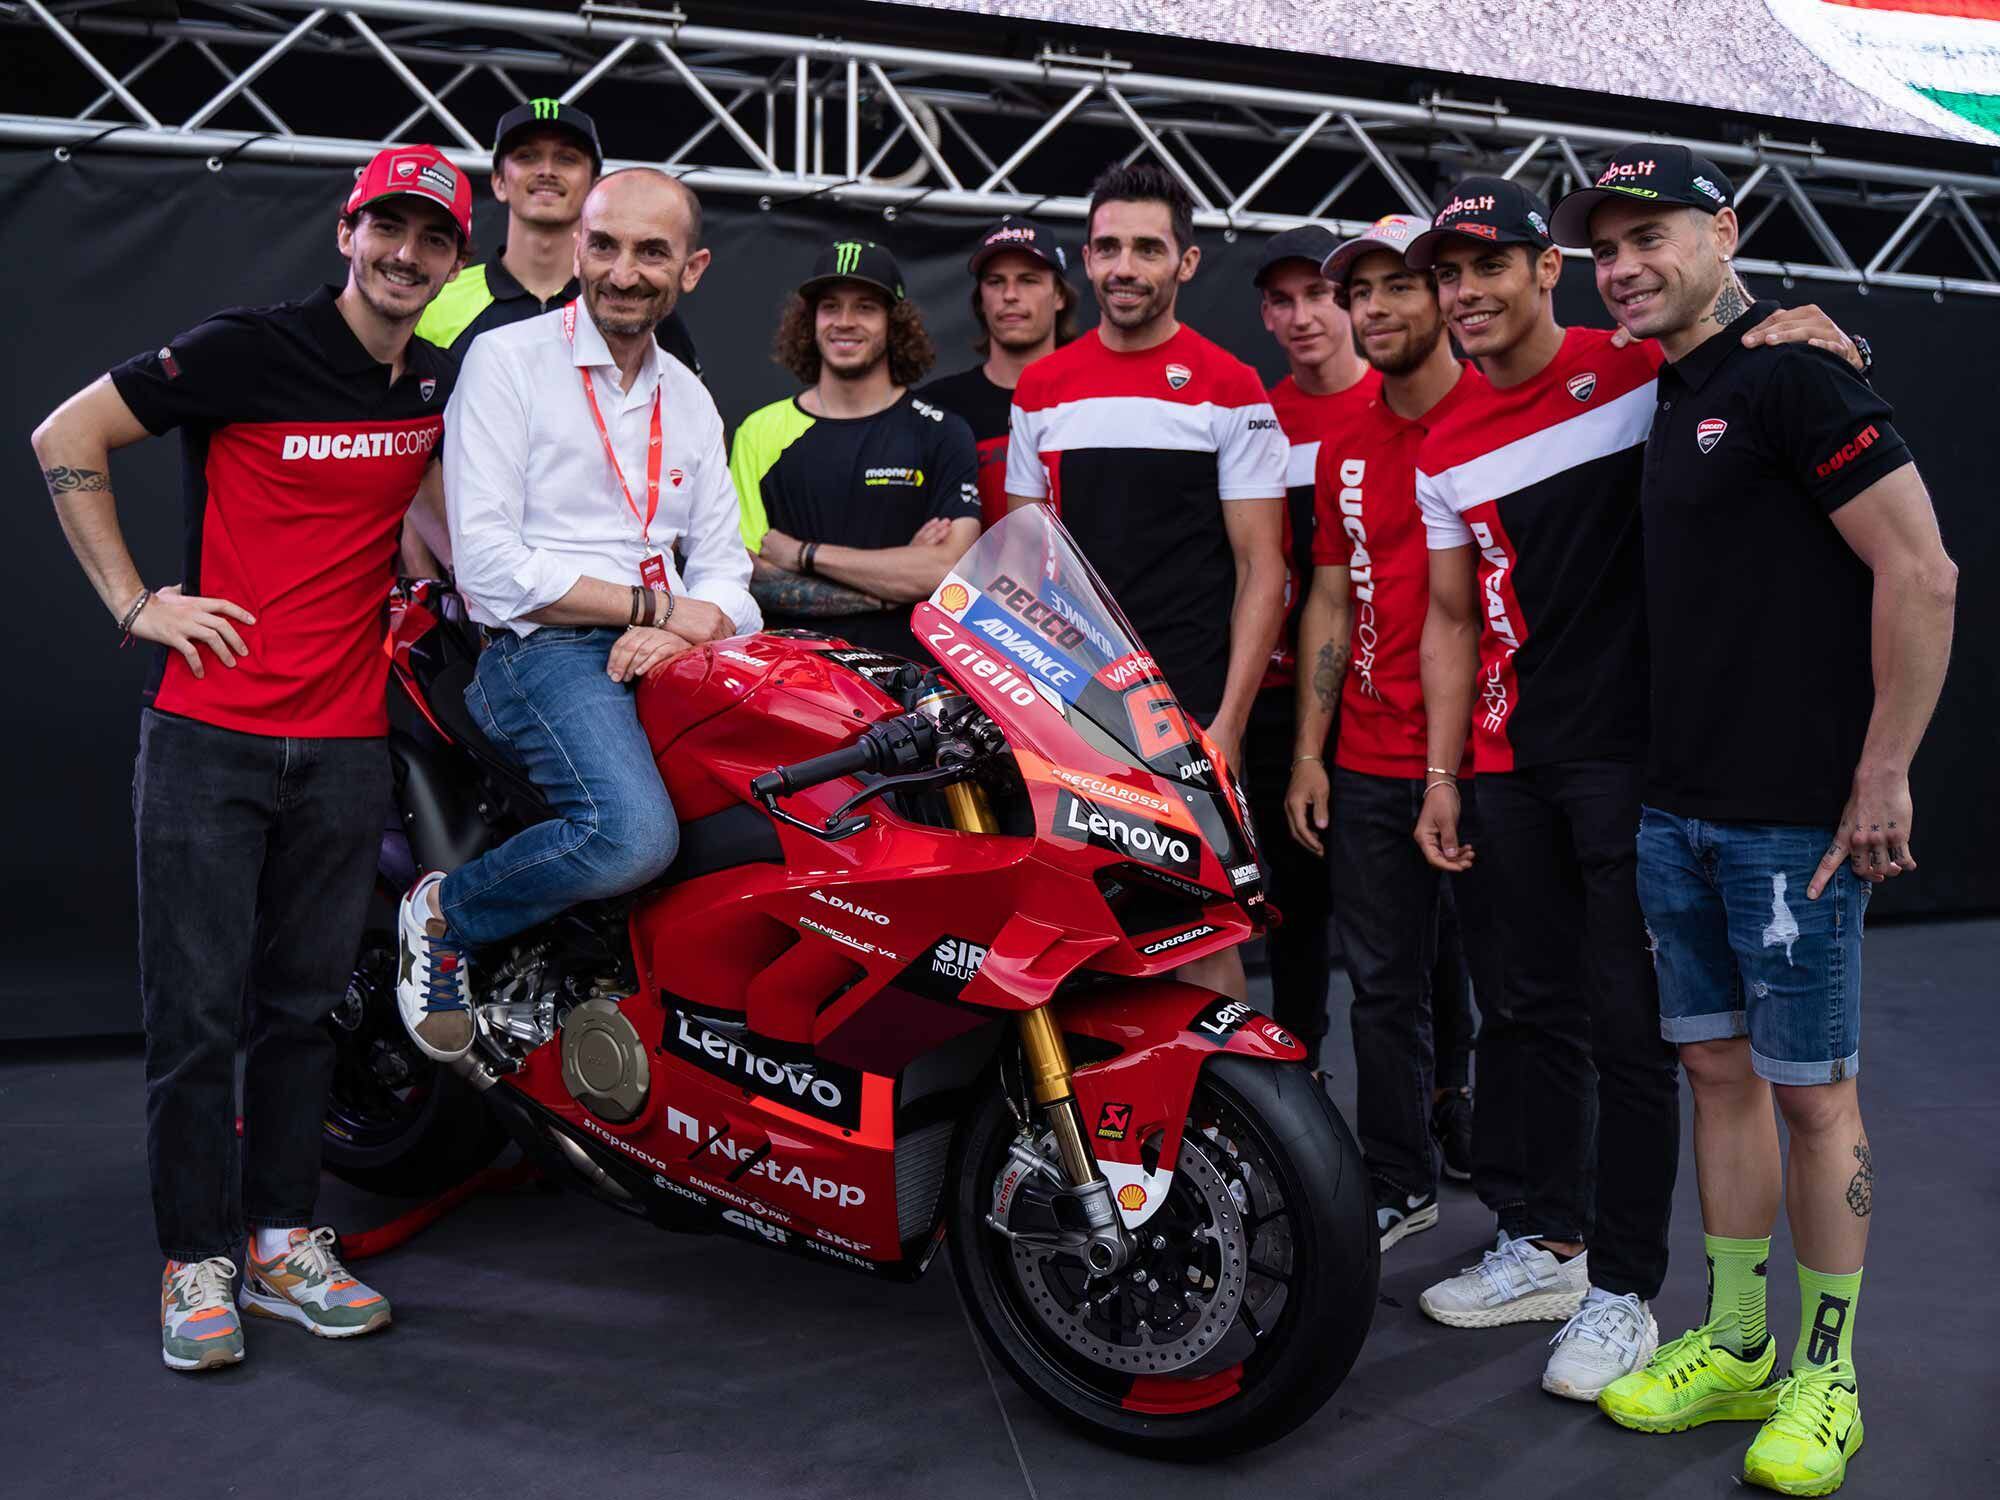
(1937, 59)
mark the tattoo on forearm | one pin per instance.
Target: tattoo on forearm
(62, 479)
(1328, 670)
(1730, 304)
(789, 594)
(1861, 1190)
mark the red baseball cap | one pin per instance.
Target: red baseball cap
(416, 172)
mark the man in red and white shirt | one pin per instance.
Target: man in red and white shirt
(1161, 453)
(263, 773)
(1360, 630)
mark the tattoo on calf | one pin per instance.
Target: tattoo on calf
(1861, 1190)
(62, 479)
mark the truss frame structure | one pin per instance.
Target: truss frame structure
(834, 111)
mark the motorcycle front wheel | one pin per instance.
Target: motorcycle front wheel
(1248, 1295)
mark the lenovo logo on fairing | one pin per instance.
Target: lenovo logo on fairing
(1108, 828)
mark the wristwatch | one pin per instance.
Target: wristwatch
(1861, 347)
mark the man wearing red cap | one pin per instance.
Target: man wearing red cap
(262, 778)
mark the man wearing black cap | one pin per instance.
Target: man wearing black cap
(856, 496)
(1025, 307)
(1780, 508)
(263, 778)
(1326, 382)
(545, 157)
(1529, 489)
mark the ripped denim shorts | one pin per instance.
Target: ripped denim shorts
(1739, 949)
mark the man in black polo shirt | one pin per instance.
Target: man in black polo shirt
(262, 778)
(1025, 308)
(857, 496)
(1799, 604)
(546, 157)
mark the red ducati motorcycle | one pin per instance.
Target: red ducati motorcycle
(907, 982)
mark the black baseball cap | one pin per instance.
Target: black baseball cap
(1023, 237)
(546, 114)
(854, 260)
(1308, 242)
(1493, 209)
(1644, 172)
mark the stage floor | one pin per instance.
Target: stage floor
(544, 1346)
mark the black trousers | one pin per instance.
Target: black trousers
(1599, 1087)
(256, 858)
(1300, 963)
(1412, 1017)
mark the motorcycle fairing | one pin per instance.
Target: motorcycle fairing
(1134, 1104)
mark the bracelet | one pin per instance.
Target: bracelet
(670, 607)
(638, 606)
(1431, 786)
(1440, 771)
(1299, 760)
(132, 614)
(809, 558)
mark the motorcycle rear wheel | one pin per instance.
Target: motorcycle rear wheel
(1294, 1267)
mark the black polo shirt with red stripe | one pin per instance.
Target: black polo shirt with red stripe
(1759, 611)
(1543, 479)
(299, 460)
(988, 410)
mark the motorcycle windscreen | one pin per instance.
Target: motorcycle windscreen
(1025, 595)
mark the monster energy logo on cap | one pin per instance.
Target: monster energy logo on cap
(855, 260)
(847, 257)
(545, 109)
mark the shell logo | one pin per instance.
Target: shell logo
(1131, 1197)
(953, 597)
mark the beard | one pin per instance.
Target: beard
(391, 300)
(859, 368)
(1416, 347)
(1158, 304)
(641, 314)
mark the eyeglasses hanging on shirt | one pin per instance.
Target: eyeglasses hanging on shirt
(653, 567)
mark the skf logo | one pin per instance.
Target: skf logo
(953, 598)
(1708, 433)
(1619, 170)
(1863, 441)
(1480, 205)
(1580, 386)
(675, 477)
(1113, 1121)
(323, 445)
(1178, 376)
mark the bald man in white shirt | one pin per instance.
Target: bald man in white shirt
(578, 455)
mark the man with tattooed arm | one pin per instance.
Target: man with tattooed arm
(1800, 607)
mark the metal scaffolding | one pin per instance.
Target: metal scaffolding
(779, 116)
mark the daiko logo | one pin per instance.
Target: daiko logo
(404, 442)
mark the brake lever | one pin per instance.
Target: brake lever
(940, 776)
(835, 828)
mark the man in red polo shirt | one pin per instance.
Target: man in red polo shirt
(263, 777)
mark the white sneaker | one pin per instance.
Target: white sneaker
(1609, 1337)
(1515, 1282)
(431, 990)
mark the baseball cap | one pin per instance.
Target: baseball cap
(1649, 172)
(1392, 232)
(1308, 242)
(1484, 208)
(854, 260)
(416, 172)
(546, 114)
(1023, 237)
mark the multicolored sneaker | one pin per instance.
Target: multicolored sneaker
(1694, 1380)
(1804, 1447)
(198, 1326)
(308, 1285)
(432, 993)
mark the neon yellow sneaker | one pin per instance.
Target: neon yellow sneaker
(308, 1285)
(1691, 1381)
(1804, 1448)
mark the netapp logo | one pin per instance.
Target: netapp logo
(403, 442)
(766, 1166)
(1109, 828)
(1176, 940)
(829, 1091)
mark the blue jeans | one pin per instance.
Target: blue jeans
(1740, 951)
(547, 700)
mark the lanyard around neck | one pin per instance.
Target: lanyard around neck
(604, 435)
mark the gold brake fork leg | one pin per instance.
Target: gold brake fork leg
(1049, 1081)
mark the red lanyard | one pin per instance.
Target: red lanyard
(604, 435)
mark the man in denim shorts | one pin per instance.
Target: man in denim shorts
(1800, 610)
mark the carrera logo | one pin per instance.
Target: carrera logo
(1178, 375)
(1112, 828)
(830, 1092)
(1580, 386)
(1863, 441)
(1708, 433)
(953, 598)
(317, 447)
(1178, 939)
(850, 908)
(1113, 1121)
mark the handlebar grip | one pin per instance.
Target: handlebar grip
(863, 755)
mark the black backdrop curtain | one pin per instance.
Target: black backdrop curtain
(110, 255)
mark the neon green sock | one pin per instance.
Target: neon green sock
(1826, 1318)
(1736, 1285)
